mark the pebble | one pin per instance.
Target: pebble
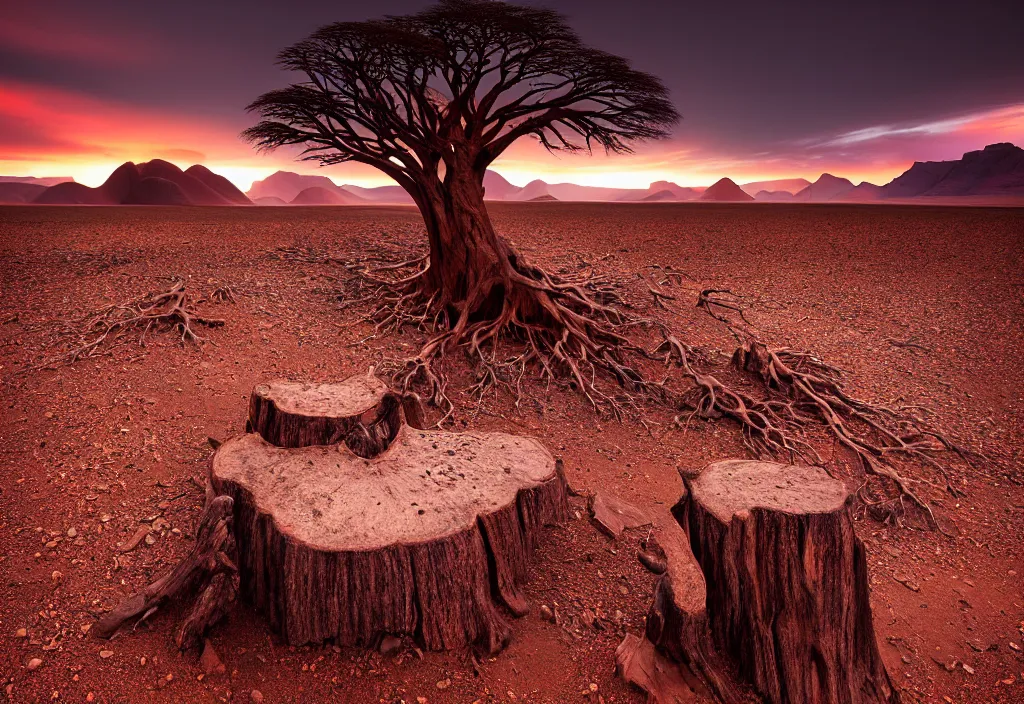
(72, 532)
(256, 696)
(444, 684)
(34, 663)
(389, 644)
(106, 654)
(56, 576)
(546, 613)
(21, 633)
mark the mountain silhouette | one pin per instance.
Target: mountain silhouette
(781, 185)
(824, 189)
(318, 195)
(155, 182)
(18, 193)
(726, 191)
(996, 170)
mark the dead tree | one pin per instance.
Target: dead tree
(431, 100)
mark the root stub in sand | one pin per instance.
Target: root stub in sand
(207, 574)
(786, 609)
(429, 539)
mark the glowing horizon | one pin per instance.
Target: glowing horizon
(96, 136)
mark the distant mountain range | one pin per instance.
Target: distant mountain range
(155, 182)
(995, 173)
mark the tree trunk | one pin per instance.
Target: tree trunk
(470, 266)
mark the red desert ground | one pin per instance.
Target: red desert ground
(990, 176)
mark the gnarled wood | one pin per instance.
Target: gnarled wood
(208, 569)
(429, 539)
(787, 589)
(613, 515)
(637, 662)
(677, 621)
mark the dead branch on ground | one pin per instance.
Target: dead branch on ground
(167, 310)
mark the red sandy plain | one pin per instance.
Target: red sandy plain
(103, 443)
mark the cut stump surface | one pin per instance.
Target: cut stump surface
(298, 414)
(430, 539)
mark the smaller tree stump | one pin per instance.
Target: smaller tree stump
(429, 539)
(787, 587)
(299, 414)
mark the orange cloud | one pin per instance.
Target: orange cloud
(47, 131)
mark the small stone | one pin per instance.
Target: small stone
(421, 700)
(56, 576)
(546, 613)
(150, 539)
(967, 668)
(34, 663)
(389, 644)
(593, 686)
(623, 589)
(48, 414)
(444, 684)
(256, 696)
(21, 633)
(142, 661)
(72, 532)
(1014, 646)
(106, 654)
(90, 697)
(210, 661)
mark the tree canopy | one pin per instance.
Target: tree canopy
(462, 79)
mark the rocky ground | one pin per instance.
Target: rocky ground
(922, 306)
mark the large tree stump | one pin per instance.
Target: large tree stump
(787, 587)
(431, 538)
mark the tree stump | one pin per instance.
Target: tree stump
(431, 538)
(786, 582)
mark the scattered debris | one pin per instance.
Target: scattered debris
(612, 515)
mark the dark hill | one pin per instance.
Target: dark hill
(155, 182)
(318, 195)
(12, 192)
(726, 191)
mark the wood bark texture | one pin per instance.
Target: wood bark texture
(298, 414)
(787, 602)
(207, 572)
(431, 538)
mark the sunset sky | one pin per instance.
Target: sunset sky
(767, 90)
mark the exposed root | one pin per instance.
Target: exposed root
(223, 294)
(168, 310)
(207, 573)
(574, 328)
(571, 327)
